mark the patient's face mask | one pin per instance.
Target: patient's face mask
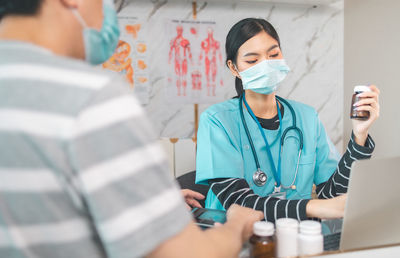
(100, 44)
(265, 76)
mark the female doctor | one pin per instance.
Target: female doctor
(265, 152)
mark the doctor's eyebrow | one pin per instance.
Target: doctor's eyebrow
(272, 47)
(251, 54)
(256, 54)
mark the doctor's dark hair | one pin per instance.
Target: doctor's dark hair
(240, 33)
(19, 7)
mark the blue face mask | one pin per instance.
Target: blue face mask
(100, 45)
(265, 76)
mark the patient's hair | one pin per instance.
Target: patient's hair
(19, 7)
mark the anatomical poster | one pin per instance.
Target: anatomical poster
(131, 56)
(195, 62)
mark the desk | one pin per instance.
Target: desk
(386, 251)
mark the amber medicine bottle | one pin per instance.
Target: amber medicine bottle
(354, 113)
(263, 240)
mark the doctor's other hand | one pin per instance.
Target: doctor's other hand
(370, 102)
(242, 219)
(191, 198)
(327, 208)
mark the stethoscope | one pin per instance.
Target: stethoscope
(259, 177)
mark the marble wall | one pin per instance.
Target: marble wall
(311, 41)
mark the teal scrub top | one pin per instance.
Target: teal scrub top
(223, 150)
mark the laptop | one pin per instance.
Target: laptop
(372, 212)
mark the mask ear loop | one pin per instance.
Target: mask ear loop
(236, 69)
(79, 17)
(234, 66)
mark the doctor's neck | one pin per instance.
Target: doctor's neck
(263, 106)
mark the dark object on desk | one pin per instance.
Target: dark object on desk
(332, 231)
(187, 181)
(206, 218)
(332, 241)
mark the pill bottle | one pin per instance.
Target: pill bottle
(262, 243)
(286, 237)
(354, 114)
(310, 240)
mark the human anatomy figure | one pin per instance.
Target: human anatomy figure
(121, 62)
(210, 48)
(180, 48)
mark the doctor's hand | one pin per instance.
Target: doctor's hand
(242, 219)
(327, 208)
(191, 198)
(370, 102)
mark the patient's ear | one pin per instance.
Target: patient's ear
(70, 3)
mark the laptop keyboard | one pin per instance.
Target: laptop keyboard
(332, 241)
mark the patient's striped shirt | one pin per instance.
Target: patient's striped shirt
(81, 173)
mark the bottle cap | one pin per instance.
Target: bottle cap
(262, 228)
(287, 223)
(310, 227)
(361, 88)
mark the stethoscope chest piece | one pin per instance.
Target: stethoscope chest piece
(259, 178)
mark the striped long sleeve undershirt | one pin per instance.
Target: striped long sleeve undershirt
(338, 183)
(237, 191)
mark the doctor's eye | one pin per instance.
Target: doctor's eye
(274, 53)
(251, 61)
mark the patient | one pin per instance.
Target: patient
(81, 173)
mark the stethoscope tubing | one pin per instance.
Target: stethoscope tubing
(282, 140)
(253, 149)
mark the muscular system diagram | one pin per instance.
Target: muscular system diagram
(179, 53)
(195, 62)
(210, 49)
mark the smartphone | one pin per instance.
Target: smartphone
(206, 218)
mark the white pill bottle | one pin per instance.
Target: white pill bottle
(286, 237)
(310, 240)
